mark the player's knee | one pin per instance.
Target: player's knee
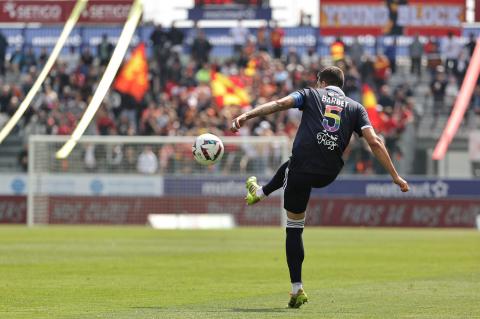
(295, 220)
(295, 216)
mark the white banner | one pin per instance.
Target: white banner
(13, 184)
(85, 184)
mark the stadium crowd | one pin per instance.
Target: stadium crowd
(180, 99)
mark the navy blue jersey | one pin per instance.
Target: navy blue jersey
(328, 121)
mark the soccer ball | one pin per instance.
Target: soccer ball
(207, 149)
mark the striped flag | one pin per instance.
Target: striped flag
(229, 91)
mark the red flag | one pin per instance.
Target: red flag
(369, 101)
(133, 77)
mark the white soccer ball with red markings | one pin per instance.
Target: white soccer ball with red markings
(207, 149)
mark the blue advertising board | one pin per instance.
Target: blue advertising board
(420, 188)
(225, 13)
(300, 38)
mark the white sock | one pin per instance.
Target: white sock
(260, 193)
(296, 286)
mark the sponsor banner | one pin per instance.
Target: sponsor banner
(378, 17)
(101, 185)
(57, 12)
(13, 209)
(321, 212)
(393, 213)
(330, 211)
(13, 184)
(135, 210)
(221, 186)
(372, 188)
(247, 13)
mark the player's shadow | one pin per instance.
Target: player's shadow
(254, 310)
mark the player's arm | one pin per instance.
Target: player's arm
(262, 110)
(381, 153)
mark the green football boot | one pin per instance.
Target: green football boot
(298, 299)
(252, 187)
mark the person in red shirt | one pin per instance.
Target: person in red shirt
(276, 38)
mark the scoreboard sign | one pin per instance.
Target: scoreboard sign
(379, 17)
(230, 10)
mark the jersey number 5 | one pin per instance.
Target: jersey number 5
(329, 109)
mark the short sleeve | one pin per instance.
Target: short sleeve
(299, 98)
(362, 120)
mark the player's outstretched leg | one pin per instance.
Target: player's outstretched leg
(256, 193)
(295, 256)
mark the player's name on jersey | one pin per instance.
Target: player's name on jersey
(333, 100)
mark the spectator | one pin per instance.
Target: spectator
(391, 54)
(431, 49)
(416, 53)
(262, 35)
(42, 58)
(385, 98)
(201, 49)
(29, 59)
(352, 83)
(367, 69)
(104, 50)
(23, 158)
(87, 57)
(382, 70)
(71, 60)
(147, 162)
(437, 89)
(3, 51)
(310, 57)
(475, 104)
(276, 39)
(337, 50)
(450, 50)
(90, 158)
(461, 65)
(16, 60)
(105, 123)
(240, 37)
(175, 37)
(160, 42)
(355, 51)
(5, 97)
(472, 41)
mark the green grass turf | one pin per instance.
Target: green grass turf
(137, 272)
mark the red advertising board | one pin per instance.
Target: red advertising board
(379, 17)
(57, 12)
(320, 212)
(13, 209)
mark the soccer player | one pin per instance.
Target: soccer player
(329, 119)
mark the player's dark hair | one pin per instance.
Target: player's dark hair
(332, 75)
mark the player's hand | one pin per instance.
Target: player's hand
(402, 184)
(238, 122)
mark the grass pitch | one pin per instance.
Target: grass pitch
(130, 272)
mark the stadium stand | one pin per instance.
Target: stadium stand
(411, 103)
